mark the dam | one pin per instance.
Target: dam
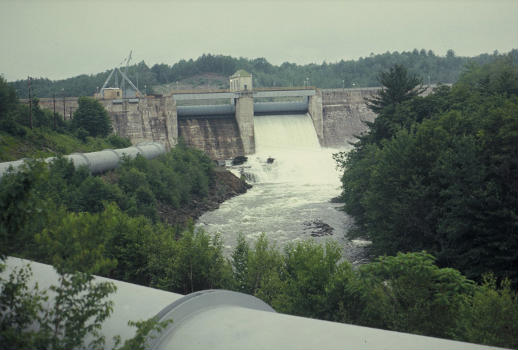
(221, 122)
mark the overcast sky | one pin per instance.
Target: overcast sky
(60, 39)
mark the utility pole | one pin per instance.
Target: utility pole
(64, 112)
(54, 103)
(30, 101)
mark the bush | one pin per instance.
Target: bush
(91, 116)
(81, 134)
(118, 142)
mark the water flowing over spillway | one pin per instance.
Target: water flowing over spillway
(290, 198)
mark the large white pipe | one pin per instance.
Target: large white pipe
(219, 319)
(131, 302)
(98, 162)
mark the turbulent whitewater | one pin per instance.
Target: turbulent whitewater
(290, 198)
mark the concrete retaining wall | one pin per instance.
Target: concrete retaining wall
(150, 119)
(315, 111)
(344, 112)
(218, 137)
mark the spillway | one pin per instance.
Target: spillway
(290, 198)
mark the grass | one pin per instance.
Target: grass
(41, 143)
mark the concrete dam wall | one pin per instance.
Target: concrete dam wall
(344, 113)
(144, 119)
(219, 136)
(338, 116)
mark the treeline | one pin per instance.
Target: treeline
(26, 130)
(83, 85)
(354, 73)
(439, 173)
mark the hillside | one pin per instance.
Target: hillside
(199, 81)
(214, 70)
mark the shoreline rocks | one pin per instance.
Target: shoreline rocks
(224, 185)
(318, 228)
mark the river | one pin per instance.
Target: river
(290, 197)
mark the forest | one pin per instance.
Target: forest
(432, 185)
(438, 173)
(431, 68)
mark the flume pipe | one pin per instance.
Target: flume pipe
(221, 319)
(98, 162)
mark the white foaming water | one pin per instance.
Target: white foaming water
(292, 142)
(289, 195)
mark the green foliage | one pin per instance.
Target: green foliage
(145, 332)
(20, 307)
(360, 73)
(173, 179)
(398, 87)
(306, 272)
(50, 135)
(78, 309)
(490, 317)
(22, 213)
(240, 264)
(197, 263)
(41, 143)
(443, 178)
(82, 85)
(91, 193)
(406, 293)
(57, 214)
(91, 117)
(118, 141)
(11, 112)
(263, 270)
(417, 296)
(498, 78)
(71, 242)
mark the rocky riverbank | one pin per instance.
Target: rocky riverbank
(224, 185)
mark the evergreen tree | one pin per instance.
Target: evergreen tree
(92, 117)
(398, 86)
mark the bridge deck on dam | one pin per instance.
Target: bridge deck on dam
(216, 95)
(186, 110)
(211, 111)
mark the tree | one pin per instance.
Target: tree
(417, 296)
(443, 179)
(398, 86)
(490, 314)
(306, 272)
(92, 117)
(29, 321)
(240, 264)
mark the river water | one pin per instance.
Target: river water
(290, 198)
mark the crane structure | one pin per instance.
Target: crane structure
(119, 90)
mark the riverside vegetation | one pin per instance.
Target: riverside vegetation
(29, 131)
(110, 226)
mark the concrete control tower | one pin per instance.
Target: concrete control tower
(241, 81)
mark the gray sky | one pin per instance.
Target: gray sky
(59, 39)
